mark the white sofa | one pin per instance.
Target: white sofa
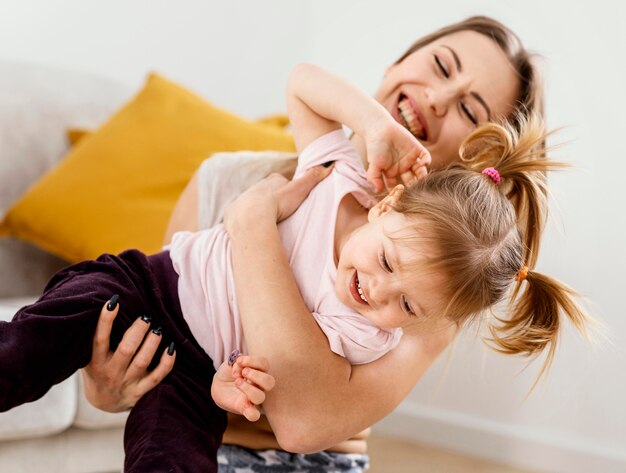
(60, 432)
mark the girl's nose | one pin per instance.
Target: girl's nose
(377, 292)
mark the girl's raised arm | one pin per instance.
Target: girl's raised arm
(319, 101)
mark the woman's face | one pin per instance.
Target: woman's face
(442, 91)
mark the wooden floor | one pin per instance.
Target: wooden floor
(392, 455)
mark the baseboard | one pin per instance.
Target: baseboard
(530, 449)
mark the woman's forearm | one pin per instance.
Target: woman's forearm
(319, 399)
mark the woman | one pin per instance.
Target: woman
(467, 73)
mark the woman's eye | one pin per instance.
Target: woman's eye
(469, 113)
(407, 307)
(442, 67)
(385, 264)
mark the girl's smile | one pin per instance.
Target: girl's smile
(356, 290)
(375, 273)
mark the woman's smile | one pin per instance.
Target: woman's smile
(409, 115)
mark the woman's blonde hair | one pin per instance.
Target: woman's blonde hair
(530, 99)
(486, 237)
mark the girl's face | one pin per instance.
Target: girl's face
(442, 91)
(372, 280)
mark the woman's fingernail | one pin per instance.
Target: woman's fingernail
(328, 164)
(170, 349)
(146, 318)
(157, 331)
(112, 304)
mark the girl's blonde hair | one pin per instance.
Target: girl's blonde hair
(486, 237)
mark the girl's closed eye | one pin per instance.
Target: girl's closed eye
(407, 307)
(384, 262)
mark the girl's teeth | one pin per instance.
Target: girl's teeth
(410, 120)
(358, 288)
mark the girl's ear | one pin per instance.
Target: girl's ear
(385, 205)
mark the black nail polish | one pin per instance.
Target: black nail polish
(112, 303)
(328, 164)
(170, 350)
(157, 331)
(146, 318)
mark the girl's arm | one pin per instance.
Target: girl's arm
(319, 101)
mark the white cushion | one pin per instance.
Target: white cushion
(37, 105)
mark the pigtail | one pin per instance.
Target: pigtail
(536, 318)
(518, 153)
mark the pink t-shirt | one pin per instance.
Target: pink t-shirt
(206, 286)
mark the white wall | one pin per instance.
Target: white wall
(238, 55)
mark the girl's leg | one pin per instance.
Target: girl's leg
(49, 340)
(175, 427)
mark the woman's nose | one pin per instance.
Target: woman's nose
(441, 96)
(438, 99)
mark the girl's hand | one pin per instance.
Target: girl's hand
(114, 381)
(274, 198)
(394, 153)
(241, 388)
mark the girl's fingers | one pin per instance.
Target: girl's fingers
(255, 370)
(255, 395)
(251, 413)
(374, 175)
(257, 362)
(263, 380)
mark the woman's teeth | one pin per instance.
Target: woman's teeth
(410, 120)
(358, 288)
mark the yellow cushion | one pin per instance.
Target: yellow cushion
(117, 187)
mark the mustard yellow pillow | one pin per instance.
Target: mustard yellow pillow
(117, 187)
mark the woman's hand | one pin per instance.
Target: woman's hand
(274, 198)
(114, 381)
(241, 388)
(394, 153)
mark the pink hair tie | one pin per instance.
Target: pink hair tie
(493, 174)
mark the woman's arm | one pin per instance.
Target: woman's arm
(319, 398)
(185, 213)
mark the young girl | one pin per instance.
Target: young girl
(419, 260)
